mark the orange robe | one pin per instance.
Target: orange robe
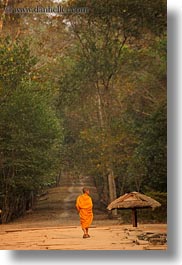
(84, 206)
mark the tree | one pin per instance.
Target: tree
(145, 116)
(110, 42)
(30, 133)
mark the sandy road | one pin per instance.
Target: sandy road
(54, 225)
(115, 237)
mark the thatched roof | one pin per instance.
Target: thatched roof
(133, 200)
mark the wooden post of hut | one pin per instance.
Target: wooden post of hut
(112, 190)
(134, 217)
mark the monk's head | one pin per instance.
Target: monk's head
(86, 190)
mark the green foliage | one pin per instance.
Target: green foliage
(136, 15)
(153, 149)
(15, 63)
(159, 215)
(29, 128)
(111, 90)
(30, 138)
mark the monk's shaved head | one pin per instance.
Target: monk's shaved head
(85, 190)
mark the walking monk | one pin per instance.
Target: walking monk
(84, 206)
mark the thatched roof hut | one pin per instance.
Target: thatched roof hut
(133, 200)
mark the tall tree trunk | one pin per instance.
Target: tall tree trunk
(109, 183)
(112, 189)
(100, 110)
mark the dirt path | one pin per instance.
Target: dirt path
(54, 225)
(60, 230)
(57, 230)
(117, 237)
